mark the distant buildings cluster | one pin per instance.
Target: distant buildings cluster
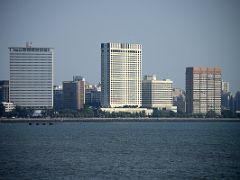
(121, 89)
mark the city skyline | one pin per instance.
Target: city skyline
(174, 35)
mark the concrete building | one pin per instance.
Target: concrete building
(225, 87)
(157, 93)
(8, 106)
(237, 103)
(226, 101)
(58, 97)
(203, 90)
(179, 99)
(31, 76)
(4, 91)
(121, 74)
(74, 93)
(82, 85)
(226, 96)
(129, 110)
(93, 95)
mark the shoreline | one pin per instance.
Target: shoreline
(46, 120)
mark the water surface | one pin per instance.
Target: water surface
(134, 150)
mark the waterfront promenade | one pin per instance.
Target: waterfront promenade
(67, 119)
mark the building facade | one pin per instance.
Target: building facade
(225, 87)
(157, 93)
(4, 91)
(82, 85)
(74, 93)
(121, 74)
(226, 96)
(8, 106)
(179, 100)
(93, 95)
(237, 103)
(203, 90)
(31, 76)
(58, 97)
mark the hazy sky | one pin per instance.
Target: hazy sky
(174, 34)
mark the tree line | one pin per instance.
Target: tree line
(90, 112)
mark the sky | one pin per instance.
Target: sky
(175, 34)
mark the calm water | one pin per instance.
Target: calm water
(184, 150)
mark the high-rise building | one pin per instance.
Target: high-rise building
(237, 103)
(121, 74)
(225, 96)
(31, 76)
(82, 84)
(203, 90)
(93, 95)
(4, 91)
(74, 93)
(179, 100)
(226, 100)
(157, 93)
(225, 87)
(57, 97)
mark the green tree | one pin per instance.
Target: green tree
(211, 114)
(227, 114)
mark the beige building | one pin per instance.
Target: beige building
(203, 90)
(157, 93)
(74, 93)
(121, 74)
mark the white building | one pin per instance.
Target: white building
(31, 76)
(129, 110)
(8, 106)
(157, 93)
(121, 72)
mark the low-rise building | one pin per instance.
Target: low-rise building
(157, 93)
(9, 107)
(129, 110)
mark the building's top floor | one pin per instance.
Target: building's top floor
(153, 78)
(78, 78)
(57, 87)
(204, 70)
(29, 48)
(121, 45)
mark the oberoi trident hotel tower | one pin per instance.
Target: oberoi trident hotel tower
(31, 76)
(121, 75)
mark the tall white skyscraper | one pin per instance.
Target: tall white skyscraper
(121, 72)
(31, 76)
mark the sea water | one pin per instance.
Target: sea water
(120, 150)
